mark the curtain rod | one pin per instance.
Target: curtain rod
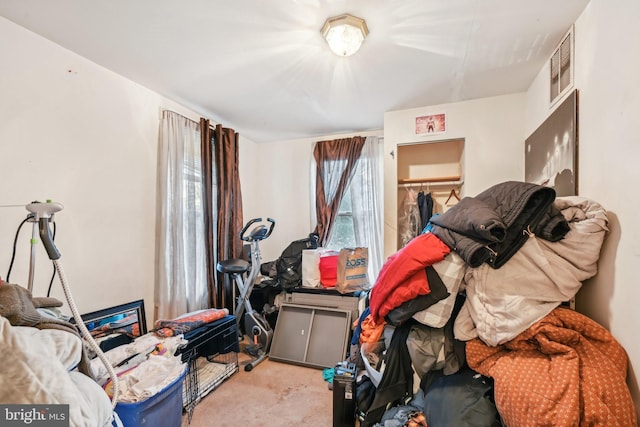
(162, 110)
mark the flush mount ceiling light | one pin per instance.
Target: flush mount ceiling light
(344, 34)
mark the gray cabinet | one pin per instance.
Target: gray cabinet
(311, 335)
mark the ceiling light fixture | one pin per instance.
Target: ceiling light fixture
(344, 34)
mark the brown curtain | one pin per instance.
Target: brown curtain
(230, 223)
(206, 149)
(335, 164)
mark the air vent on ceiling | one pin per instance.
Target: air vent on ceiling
(561, 68)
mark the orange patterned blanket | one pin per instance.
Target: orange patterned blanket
(565, 370)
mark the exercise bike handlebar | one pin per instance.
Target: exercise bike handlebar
(260, 233)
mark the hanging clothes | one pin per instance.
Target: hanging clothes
(425, 206)
(409, 219)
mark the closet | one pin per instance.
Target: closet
(430, 171)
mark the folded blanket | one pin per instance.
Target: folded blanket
(188, 322)
(451, 271)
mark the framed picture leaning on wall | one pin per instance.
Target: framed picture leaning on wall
(117, 325)
(551, 151)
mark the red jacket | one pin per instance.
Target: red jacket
(403, 277)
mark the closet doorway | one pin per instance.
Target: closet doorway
(430, 181)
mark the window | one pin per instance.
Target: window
(343, 233)
(192, 185)
(182, 281)
(359, 221)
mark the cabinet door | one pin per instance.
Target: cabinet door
(291, 334)
(310, 335)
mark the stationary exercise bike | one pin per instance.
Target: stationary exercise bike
(256, 326)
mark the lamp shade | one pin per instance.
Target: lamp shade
(344, 34)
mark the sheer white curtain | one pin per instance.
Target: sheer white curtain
(181, 280)
(367, 203)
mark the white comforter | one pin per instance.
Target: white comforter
(36, 367)
(502, 303)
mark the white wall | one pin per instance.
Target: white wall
(607, 66)
(279, 190)
(76, 133)
(493, 148)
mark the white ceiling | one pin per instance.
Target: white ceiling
(263, 68)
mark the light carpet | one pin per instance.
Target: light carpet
(272, 394)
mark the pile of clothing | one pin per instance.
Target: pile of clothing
(479, 332)
(43, 360)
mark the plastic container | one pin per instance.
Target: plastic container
(162, 409)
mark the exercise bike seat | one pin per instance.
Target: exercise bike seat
(231, 266)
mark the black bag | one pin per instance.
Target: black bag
(365, 392)
(289, 265)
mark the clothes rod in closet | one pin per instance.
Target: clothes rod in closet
(439, 181)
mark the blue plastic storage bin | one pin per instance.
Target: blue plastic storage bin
(163, 409)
